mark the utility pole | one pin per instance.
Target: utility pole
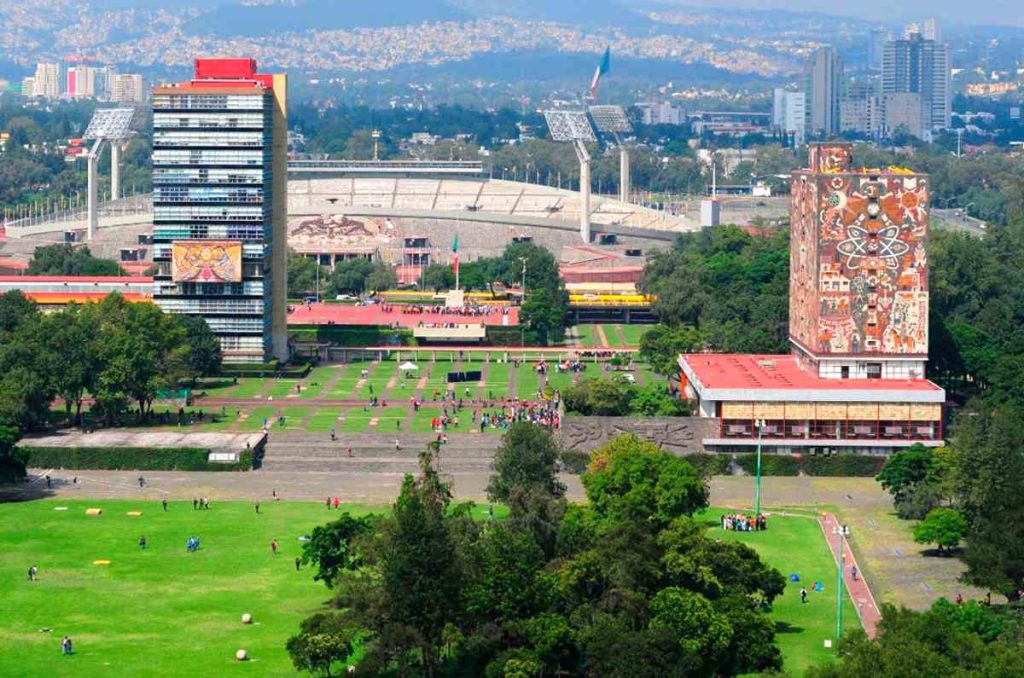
(842, 531)
(757, 482)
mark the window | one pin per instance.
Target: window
(845, 372)
(874, 370)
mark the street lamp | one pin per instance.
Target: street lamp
(759, 424)
(522, 325)
(841, 531)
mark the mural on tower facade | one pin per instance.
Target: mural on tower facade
(859, 264)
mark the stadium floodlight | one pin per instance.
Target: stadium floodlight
(610, 119)
(110, 124)
(569, 126)
(574, 126)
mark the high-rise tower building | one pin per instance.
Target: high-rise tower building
(858, 326)
(876, 45)
(81, 81)
(219, 204)
(917, 65)
(858, 302)
(823, 84)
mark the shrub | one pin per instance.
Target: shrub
(710, 464)
(859, 465)
(574, 461)
(134, 458)
(771, 464)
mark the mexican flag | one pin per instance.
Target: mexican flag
(455, 256)
(602, 68)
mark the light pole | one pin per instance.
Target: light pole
(842, 531)
(522, 325)
(757, 482)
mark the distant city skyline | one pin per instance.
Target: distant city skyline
(979, 12)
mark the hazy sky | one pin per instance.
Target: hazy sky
(997, 12)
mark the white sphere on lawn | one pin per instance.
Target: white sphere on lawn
(241, 655)
(246, 618)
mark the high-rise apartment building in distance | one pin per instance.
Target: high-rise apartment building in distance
(28, 87)
(876, 45)
(81, 81)
(789, 114)
(47, 81)
(823, 85)
(660, 113)
(219, 204)
(862, 110)
(127, 88)
(918, 65)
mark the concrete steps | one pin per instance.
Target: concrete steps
(376, 453)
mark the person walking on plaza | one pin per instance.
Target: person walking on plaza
(65, 646)
(853, 572)
(336, 502)
(803, 595)
(33, 571)
(142, 542)
(328, 502)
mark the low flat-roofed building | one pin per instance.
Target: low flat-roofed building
(54, 292)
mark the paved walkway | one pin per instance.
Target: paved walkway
(860, 592)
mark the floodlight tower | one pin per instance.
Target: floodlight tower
(612, 120)
(111, 125)
(575, 127)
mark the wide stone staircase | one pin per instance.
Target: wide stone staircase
(463, 454)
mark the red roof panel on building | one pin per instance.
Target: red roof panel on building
(782, 372)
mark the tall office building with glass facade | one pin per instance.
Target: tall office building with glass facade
(220, 204)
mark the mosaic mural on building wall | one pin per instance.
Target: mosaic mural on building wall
(859, 276)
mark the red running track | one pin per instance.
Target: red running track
(339, 314)
(863, 600)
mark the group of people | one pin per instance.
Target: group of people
(200, 503)
(738, 522)
(541, 413)
(192, 544)
(471, 310)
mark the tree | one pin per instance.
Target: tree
(703, 634)
(324, 639)
(944, 527)
(73, 335)
(544, 313)
(654, 400)
(349, 277)
(526, 458)
(204, 352)
(64, 259)
(661, 345)
(913, 476)
(381, 278)
(12, 461)
(632, 479)
(302, 274)
(331, 549)
(438, 277)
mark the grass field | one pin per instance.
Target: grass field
(795, 545)
(167, 612)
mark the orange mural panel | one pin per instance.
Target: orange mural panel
(206, 261)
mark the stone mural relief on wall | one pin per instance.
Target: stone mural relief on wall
(680, 435)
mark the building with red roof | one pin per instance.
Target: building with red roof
(854, 381)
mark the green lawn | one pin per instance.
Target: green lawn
(167, 612)
(527, 381)
(324, 420)
(496, 380)
(254, 422)
(632, 333)
(795, 545)
(162, 611)
(249, 387)
(345, 386)
(588, 335)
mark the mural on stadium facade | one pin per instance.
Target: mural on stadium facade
(206, 261)
(870, 269)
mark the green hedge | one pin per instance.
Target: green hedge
(710, 464)
(132, 458)
(500, 335)
(352, 336)
(771, 464)
(842, 465)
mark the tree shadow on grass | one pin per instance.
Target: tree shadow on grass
(943, 554)
(786, 627)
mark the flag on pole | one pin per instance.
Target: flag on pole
(455, 258)
(602, 68)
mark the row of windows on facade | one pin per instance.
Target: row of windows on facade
(254, 307)
(240, 213)
(234, 343)
(218, 103)
(211, 120)
(175, 157)
(205, 175)
(185, 194)
(251, 236)
(210, 289)
(212, 139)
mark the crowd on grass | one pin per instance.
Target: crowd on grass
(738, 522)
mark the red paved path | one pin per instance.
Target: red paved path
(339, 314)
(863, 600)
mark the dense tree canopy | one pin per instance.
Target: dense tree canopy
(65, 259)
(625, 585)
